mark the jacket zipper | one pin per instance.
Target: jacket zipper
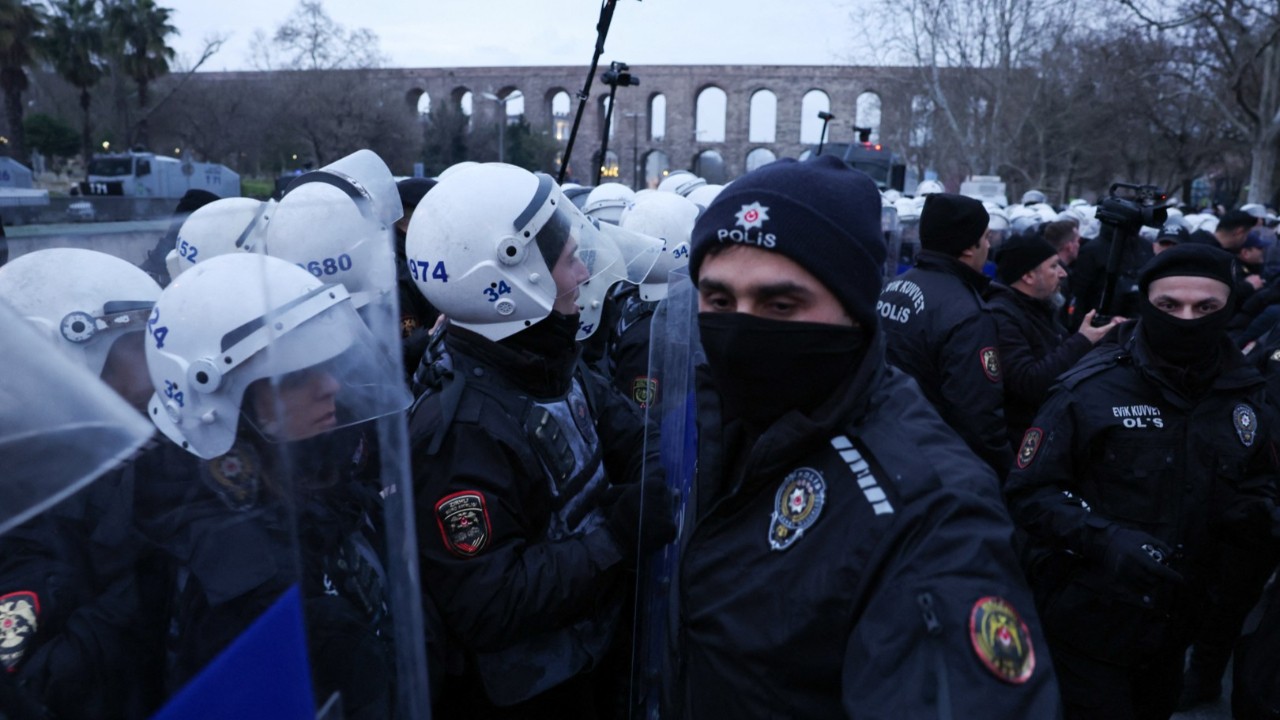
(933, 628)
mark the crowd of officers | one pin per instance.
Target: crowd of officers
(920, 496)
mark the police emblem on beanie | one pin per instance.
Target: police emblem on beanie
(951, 224)
(820, 213)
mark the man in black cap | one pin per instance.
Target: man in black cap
(938, 329)
(1034, 347)
(1153, 454)
(1173, 233)
(841, 543)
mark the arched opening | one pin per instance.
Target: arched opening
(419, 101)
(513, 102)
(710, 112)
(657, 164)
(709, 165)
(560, 121)
(759, 158)
(658, 117)
(814, 102)
(868, 112)
(610, 171)
(764, 117)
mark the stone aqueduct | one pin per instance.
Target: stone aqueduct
(660, 119)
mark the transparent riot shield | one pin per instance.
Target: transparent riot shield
(892, 239)
(60, 427)
(285, 503)
(673, 354)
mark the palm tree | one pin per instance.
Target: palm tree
(136, 31)
(75, 42)
(21, 23)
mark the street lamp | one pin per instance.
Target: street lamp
(619, 73)
(502, 123)
(826, 117)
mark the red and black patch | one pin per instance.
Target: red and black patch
(990, 363)
(408, 325)
(464, 523)
(1001, 640)
(644, 391)
(1029, 447)
(19, 620)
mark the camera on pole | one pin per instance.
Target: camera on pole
(825, 117)
(618, 74)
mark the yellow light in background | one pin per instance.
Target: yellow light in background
(106, 145)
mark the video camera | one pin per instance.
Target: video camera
(1129, 207)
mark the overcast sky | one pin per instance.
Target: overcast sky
(444, 33)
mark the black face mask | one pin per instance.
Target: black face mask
(1180, 342)
(764, 368)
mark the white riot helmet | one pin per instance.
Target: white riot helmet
(82, 300)
(997, 223)
(669, 218)
(608, 201)
(1031, 197)
(223, 226)
(336, 223)
(456, 167)
(236, 319)
(1021, 218)
(1044, 211)
(929, 187)
(704, 194)
(681, 182)
(482, 246)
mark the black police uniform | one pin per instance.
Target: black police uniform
(1034, 350)
(81, 607)
(940, 333)
(628, 347)
(227, 527)
(513, 451)
(856, 564)
(1124, 446)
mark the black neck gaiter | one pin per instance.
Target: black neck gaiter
(764, 368)
(1183, 343)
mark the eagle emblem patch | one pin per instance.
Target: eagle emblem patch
(1029, 447)
(19, 620)
(1001, 640)
(796, 507)
(1246, 422)
(464, 523)
(990, 363)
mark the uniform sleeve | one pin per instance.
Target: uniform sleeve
(1040, 490)
(952, 621)
(1026, 376)
(622, 427)
(972, 390)
(505, 582)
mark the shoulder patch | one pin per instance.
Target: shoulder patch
(1030, 446)
(19, 620)
(644, 390)
(464, 523)
(990, 363)
(1001, 640)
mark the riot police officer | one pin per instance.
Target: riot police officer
(1151, 454)
(526, 463)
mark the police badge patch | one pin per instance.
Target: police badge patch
(1001, 640)
(235, 477)
(644, 390)
(464, 523)
(990, 363)
(1246, 422)
(19, 620)
(1029, 447)
(796, 507)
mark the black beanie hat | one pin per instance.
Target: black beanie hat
(193, 200)
(412, 190)
(1189, 259)
(820, 213)
(1021, 254)
(950, 223)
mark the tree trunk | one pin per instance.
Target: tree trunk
(1262, 174)
(86, 139)
(1267, 138)
(144, 136)
(17, 133)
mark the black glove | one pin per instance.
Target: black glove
(622, 508)
(1138, 559)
